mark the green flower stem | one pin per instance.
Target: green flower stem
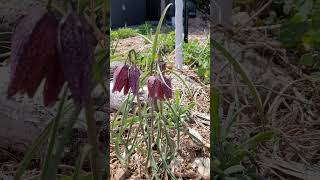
(150, 134)
(32, 151)
(92, 138)
(64, 139)
(140, 115)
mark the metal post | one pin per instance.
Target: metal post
(179, 33)
(185, 24)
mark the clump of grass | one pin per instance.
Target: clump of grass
(167, 42)
(234, 160)
(123, 33)
(145, 28)
(230, 160)
(196, 54)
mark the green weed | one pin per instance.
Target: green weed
(123, 33)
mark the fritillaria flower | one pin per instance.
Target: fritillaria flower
(151, 83)
(76, 45)
(126, 77)
(121, 79)
(159, 89)
(42, 48)
(34, 56)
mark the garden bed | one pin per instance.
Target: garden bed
(191, 160)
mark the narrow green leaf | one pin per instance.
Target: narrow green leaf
(155, 40)
(260, 137)
(145, 38)
(234, 169)
(32, 150)
(83, 154)
(238, 68)
(62, 141)
(215, 121)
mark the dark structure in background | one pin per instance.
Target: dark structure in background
(153, 10)
(136, 12)
(185, 21)
(127, 12)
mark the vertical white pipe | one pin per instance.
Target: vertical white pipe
(179, 33)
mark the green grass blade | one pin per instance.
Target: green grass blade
(145, 38)
(43, 136)
(183, 82)
(237, 67)
(259, 138)
(83, 154)
(215, 127)
(156, 37)
(231, 118)
(60, 146)
(33, 149)
(214, 109)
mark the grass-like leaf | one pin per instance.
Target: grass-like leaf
(83, 154)
(238, 68)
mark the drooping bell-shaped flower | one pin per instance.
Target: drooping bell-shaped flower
(44, 49)
(76, 45)
(33, 52)
(126, 87)
(134, 75)
(159, 89)
(126, 77)
(151, 84)
(121, 79)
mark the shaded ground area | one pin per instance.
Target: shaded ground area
(290, 99)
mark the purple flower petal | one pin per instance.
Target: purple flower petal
(134, 75)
